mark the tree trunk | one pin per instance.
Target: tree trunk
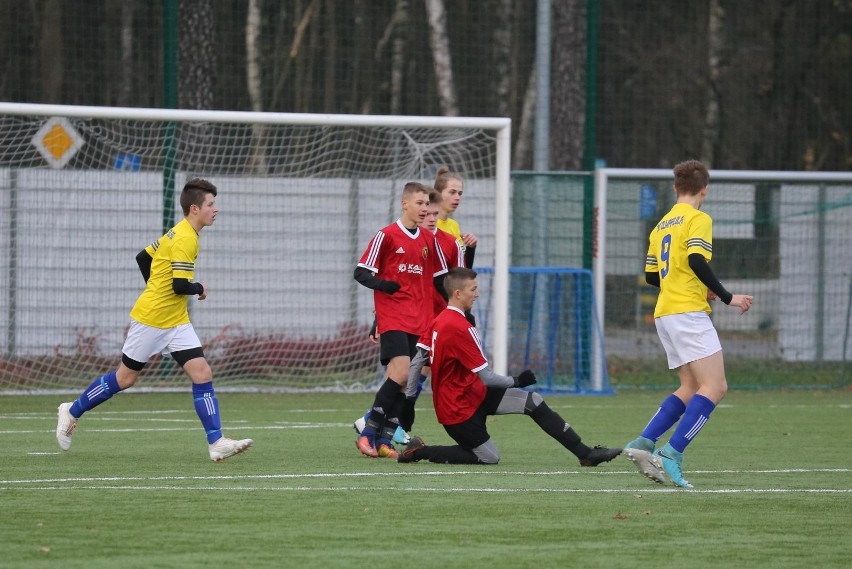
(50, 52)
(400, 25)
(330, 58)
(711, 114)
(568, 85)
(257, 162)
(196, 55)
(440, 44)
(127, 72)
(502, 75)
(522, 159)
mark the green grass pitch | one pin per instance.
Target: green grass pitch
(772, 474)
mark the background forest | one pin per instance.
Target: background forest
(741, 84)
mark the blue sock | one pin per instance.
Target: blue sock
(667, 415)
(697, 413)
(207, 408)
(99, 391)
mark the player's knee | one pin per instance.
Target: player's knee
(487, 453)
(533, 402)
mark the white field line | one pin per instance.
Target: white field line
(279, 426)
(408, 474)
(454, 490)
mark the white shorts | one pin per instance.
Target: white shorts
(143, 342)
(687, 337)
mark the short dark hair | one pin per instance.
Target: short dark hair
(456, 277)
(412, 188)
(435, 197)
(690, 177)
(193, 193)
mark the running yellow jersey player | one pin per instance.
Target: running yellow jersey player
(683, 231)
(172, 257)
(160, 325)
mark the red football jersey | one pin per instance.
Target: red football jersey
(454, 257)
(396, 254)
(456, 357)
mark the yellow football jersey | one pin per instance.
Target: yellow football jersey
(173, 256)
(451, 226)
(682, 231)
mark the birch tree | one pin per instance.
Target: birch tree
(711, 114)
(257, 162)
(440, 44)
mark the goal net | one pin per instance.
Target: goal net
(83, 190)
(553, 329)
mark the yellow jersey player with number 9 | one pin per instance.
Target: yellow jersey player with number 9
(679, 251)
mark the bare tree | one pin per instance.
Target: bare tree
(257, 162)
(502, 76)
(283, 74)
(568, 85)
(196, 54)
(522, 148)
(51, 61)
(440, 44)
(395, 34)
(711, 115)
(125, 89)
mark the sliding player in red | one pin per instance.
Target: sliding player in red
(465, 391)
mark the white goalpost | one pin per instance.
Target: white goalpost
(786, 229)
(83, 189)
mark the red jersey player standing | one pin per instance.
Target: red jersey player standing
(465, 391)
(402, 264)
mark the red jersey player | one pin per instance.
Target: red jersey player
(402, 265)
(466, 391)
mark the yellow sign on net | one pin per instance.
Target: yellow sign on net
(57, 141)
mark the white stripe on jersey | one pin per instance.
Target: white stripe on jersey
(475, 335)
(374, 250)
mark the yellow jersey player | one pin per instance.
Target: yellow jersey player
(160, 324)
(680, 248)
(451, 188)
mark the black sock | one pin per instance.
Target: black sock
(555, 426)
(406, 418)
(382, 404)
(392, 420)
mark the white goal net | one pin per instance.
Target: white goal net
(82, 190)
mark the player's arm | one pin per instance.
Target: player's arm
(185, 287)
(144, 260)
(183, 270)
(469, 254)
(491, 379)
(702, 270)
(652, 278)
(368, 278)
(420, 359)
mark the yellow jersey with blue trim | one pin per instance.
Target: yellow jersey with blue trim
(173, 256)
(682, 231)
(451, 226)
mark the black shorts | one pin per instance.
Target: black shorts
(472, 433)
(394, 343)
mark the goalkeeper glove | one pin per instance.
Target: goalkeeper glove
(525, 379)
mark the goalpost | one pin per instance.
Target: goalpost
(83, 189)
(783, 236)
